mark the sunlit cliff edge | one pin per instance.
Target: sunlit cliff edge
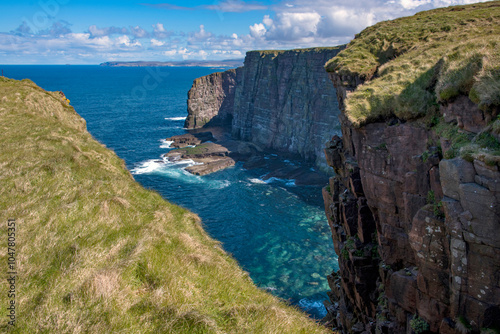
(414, 207)
(96, 252)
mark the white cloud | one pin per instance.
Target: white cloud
(267, 21)
(125, 40)
(344, 22)
(98, 32)
(411, 4)
(169, 53)
(138, 32)
(287, 24)
(257, 30)
(157, 43)
(160, 32)
(293, 26)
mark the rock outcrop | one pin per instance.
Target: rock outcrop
(280, 100)
(417, 234)
(199, 148)
(211, 99)
(414, 207)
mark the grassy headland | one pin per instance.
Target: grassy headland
(410, 65)
(98, 253)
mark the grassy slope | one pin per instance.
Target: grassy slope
(98, 253)
(413, 63)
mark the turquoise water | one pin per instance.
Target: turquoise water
(276, 230)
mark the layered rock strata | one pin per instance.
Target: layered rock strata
(416, 234)
(280, 100)
(207, 156)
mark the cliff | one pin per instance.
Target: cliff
(279, 100)
(95, 252)
(211, 99)
(414, 207)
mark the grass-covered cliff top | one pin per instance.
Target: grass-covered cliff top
(314, 49)
(411, 64)
(98, 253)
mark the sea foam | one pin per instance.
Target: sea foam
(166, 143)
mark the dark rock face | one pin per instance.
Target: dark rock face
(211, 99)
(280, 100)
(401, 253)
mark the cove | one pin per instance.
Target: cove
(275, 229)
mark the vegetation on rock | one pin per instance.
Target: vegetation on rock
(98, 253)
(410, 65)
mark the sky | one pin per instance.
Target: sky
(95, 31)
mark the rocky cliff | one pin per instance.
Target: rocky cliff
(280, 100)
(414, 207)
(211, 99)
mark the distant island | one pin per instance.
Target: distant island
(184, 63)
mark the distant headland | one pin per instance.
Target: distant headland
(184, 63)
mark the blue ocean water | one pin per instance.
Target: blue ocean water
(276, 230)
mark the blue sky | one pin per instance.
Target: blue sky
(94, 31)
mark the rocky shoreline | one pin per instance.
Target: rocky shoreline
(214, 150)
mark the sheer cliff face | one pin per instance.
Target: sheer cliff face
(211, 98)
(417, 235)
(281, 100)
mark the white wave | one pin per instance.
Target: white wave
(287, 182)
(148, 167)
(166, 143)
(157, 166)
(220, 184)
(180, 163)
(176, 118)
(257, 181)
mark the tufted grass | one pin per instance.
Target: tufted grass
(411, 65)
(98, 253)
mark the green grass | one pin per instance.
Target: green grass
(411, 65)
(482, 146)
(98, 253)
(314, 49)
(198, 149)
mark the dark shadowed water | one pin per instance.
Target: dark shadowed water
(276, 230)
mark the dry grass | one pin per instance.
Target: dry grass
(409, 65)
(96, 252)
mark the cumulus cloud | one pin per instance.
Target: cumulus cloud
(201, 35)
(293, 26)
(160, 32)
(58, 28)
(258, 30)
(330, 22)
(344, 22)
(138, 32)
(156, 43)
(286, 24)
(126, 41)
(99, 32)
(23, 29)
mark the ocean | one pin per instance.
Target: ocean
(276, 230)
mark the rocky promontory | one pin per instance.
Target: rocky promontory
(414, 207)
(208, 157)
(279, 100)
